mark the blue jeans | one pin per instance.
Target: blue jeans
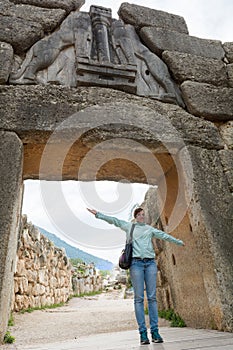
(144, 272)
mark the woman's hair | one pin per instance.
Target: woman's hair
(136, 211)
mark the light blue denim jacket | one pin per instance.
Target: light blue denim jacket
(142, 235)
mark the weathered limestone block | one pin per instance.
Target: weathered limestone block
(43, 277)
(213, 236)
(21, 302)
(62, 282)
(31, 300)
(67, 5)
(20, 267)
(63, 273)
(11, 156)
(32, 276)
(159, 40)
(228, 47)
(37, 301)
(59, 264)
(141, 16)
(36, 263)
(29, 263)
(56, 300)
(49, 19)
(226, 157)
(35, 234)
(87, 280)
(36, 247)
(81, 286)
(99, 287)
(86, 289)
(27, 241)
(26, 302)
(49, 301)
(208, 101)
(196, 68)
(43, 260)
(43, 300)
(6, 60)
(22, 32)
(38, 289)
(23, 285)
(229, 69)
(54, 261)
(57, 293)
(65, 291)
(194, 131)
(226, 131)
(53, 282)
(51, 105)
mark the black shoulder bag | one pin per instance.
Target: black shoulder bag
(126, 254)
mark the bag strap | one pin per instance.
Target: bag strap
(131, 233)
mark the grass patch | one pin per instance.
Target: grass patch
(8, 338)
(31, 309)
(86, 294)
(54, 306)
(11, 320)
(175, 319)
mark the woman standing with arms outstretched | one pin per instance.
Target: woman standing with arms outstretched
(143, 269)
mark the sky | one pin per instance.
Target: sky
(60, 207)
(209, 19)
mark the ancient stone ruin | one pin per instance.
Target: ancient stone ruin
(88, 97)
(43, 273)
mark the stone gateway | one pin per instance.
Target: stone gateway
(88, 97)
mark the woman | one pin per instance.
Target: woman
(143, 269)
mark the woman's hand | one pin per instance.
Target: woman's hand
(93, 211)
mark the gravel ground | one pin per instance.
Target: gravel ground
(103, 313)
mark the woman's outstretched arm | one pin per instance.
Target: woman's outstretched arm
(93, 211)
(124, 225)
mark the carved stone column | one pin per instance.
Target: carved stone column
(11, 157)
(101, 22)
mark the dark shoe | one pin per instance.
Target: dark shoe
(143, 338)
(156, 337)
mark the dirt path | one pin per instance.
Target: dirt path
(106, 312)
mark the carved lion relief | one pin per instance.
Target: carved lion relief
(93, 49)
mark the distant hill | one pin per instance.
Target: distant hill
(73, 252)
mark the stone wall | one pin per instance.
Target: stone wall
(85, 279)
(43, 271)
(44, 274)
